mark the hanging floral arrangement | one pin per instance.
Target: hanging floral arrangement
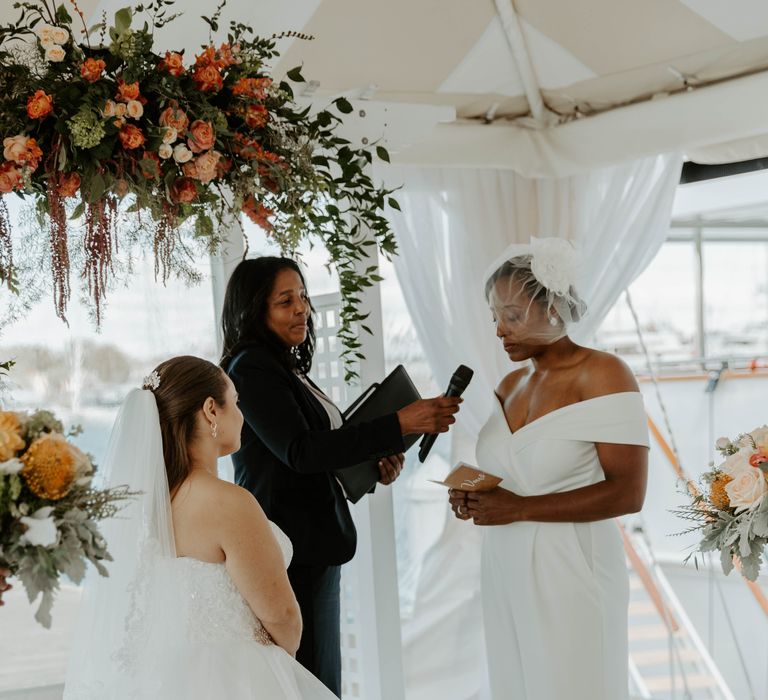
(96, 126)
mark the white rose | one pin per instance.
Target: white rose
(170, 134)
(109, 109)
(41, 528)
(45, 34)
(737, 463)
(120, 109)
(165, 151)
(135, 109)
(55, 54)
(181, 154)
(12, 466)
(60, 35)
(746, 489)
(722, 443)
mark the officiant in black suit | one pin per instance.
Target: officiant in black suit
(294, 437)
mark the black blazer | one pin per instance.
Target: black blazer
(288, 451)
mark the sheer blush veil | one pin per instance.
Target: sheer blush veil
(133, 613)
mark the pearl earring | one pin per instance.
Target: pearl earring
(552, 321)
(214, 430)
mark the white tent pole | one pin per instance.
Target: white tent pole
(510, 23)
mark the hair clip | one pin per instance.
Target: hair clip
(151, 381)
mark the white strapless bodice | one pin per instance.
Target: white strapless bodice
(213, 609)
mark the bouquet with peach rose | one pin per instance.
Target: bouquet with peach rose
(100, 116)
(48, 506)
(731, 509)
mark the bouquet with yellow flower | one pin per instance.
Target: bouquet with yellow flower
(731, 511)
(48, 506)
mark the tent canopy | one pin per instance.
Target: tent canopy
(532, 67)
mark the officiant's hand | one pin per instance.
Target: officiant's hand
(495, 507)
(390, 468)
(429, 415)
(4, 585)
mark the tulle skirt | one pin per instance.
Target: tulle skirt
(201, 671)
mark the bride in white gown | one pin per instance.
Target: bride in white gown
(568, 435)
(197, 604)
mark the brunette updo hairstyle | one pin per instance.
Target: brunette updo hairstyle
(185, 383)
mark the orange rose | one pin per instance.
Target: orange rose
(127, 91)
(92, 69)
(258, 213)
(206, 166)
(208, 78)
(10, 177)
(174, 117)
(183, 190)
(201, 136)
(252, 87)
(226, 56)
(173, 63)
(207, 58)
(68, 184)
(256, 116)
(39, 105)
(131, 137)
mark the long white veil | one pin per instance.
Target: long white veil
(125, 616)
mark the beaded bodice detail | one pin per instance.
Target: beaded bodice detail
(214, 609)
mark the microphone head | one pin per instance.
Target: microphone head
(461, 378)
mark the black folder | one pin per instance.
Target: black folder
(394, 393)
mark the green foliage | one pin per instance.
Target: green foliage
(285, 166)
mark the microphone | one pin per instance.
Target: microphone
(459, 381)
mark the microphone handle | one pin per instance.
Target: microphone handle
(429, 438)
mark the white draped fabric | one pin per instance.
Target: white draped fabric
(454, 224)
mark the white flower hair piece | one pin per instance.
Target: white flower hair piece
(151, 381)
(554, 262)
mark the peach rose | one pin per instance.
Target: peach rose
(127, 91)
(14, 147)
(39, 105)
(190, 169)
(110, 109)
(201, 136)
(174, 117)
(183, 190)
(121, 110)
(208, 78)
(173, 63)
(181, 154)
(134, 109)
(68, 184)
(131, 137)
(92, 69)
(206, 165)
(10, 177)
(165, 151)
(55, 54)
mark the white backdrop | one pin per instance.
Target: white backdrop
(454, 224)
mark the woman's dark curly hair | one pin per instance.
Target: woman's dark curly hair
(244, 316)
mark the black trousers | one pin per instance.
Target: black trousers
(318, 591)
